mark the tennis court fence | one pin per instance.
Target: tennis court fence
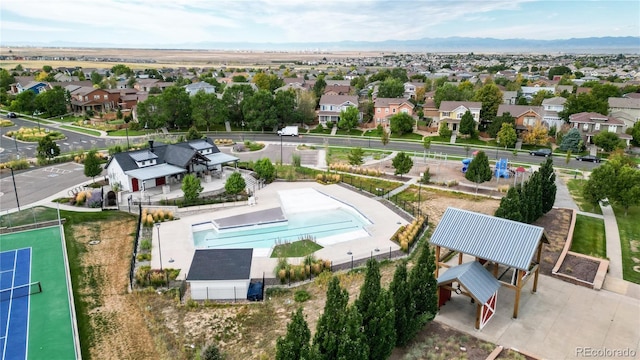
(20, 291)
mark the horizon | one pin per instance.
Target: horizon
(185, 24)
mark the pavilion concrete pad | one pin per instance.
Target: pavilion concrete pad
(555, 321)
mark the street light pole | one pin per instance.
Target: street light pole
(280, 149)
(15, 189)
(159, 248)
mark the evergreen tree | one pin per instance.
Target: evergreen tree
(212, 353)
(295, 343)
(510, 205)
(235, 184)
(423, 283)
(571, 141)
(332, 321)
(378, 316)
(402, 163)
(467, 124)
(352, 343)
(531, 198)
(355, 156)
(407, 320)
(265, 170)
(92, 166)
(479, 170)
(549, 187)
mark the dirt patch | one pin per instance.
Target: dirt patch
(580, 268)
(439, 341)
(118, 327)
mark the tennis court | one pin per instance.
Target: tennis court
(37, 320)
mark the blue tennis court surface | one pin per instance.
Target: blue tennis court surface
(15, 277)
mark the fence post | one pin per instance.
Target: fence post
(351, 262)
(389, 252)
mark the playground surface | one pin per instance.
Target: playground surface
(36, 309)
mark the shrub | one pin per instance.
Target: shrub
(301, 296)
(212, 353)
(145, 245)
(144, 257)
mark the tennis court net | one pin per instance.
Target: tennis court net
(20, 291)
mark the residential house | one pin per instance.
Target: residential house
(384, 108)
(165, 164)
(145, 84)
(452, 111)
(552, 107)
(528, 92)
(524, 115)
(590, 124)
(410, 89)
(562, 88)
(193, 89)
(88, 98)
(332, 105)
(509, 97)
(24, 83)
(625, 109)
(337, 90)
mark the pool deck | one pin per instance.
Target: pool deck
(178, 249)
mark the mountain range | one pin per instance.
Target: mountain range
(627, 44)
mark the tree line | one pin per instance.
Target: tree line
(379, 320)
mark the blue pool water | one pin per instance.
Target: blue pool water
(317, 224)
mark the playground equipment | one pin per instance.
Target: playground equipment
(465, 165)
(501, 170)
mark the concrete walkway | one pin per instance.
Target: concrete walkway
(614, 250)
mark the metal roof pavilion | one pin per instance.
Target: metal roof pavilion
(503, 241)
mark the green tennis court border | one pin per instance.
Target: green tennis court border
(52, 322)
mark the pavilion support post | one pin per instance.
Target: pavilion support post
(495, 270)
(478, 315)
(437, 261)
(537, 271)
(516, 304)
(459, 258)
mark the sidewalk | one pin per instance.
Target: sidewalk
(614, 251)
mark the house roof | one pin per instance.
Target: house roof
(557, 100)
(220, 158)
(592, 117)
(480, 284)
(506, 242)
(624, 103)
(519, 110)
(338, 99)
(452, 105)
(221, 264)
(386, 102)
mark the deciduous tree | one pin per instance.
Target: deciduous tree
(536, 135)
(191, 188)
(207, 110)
(47, 148)
(507, 135)
(355, 156)
(391, 88)
(92, 166)
(265, 170)
(52, 102)
(259, 111)
(401, 124)
(491, 97)
(402, 163)
(444, 130)
(608, 141)
(176, 107)
(349, 118)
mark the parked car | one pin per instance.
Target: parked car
(591, 158)
(12, 115)
(540, 152)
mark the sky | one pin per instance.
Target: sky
(162, 23)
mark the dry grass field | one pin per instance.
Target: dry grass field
(157, 58)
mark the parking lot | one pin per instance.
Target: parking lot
(34, 185)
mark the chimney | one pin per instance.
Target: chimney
(151, 145)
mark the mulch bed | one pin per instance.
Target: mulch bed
(579, 267)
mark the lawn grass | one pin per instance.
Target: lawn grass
(295, 249)
(123, 132)
(352, 132)
(589, 237)
(629, 228)
(407, 136)
(81, 130)
(320, 130)
(575, 189)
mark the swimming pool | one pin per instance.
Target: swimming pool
(327, 226)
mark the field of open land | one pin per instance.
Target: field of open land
(158, 58)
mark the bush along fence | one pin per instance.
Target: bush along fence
(132, 268)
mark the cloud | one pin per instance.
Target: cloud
(20, 26)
